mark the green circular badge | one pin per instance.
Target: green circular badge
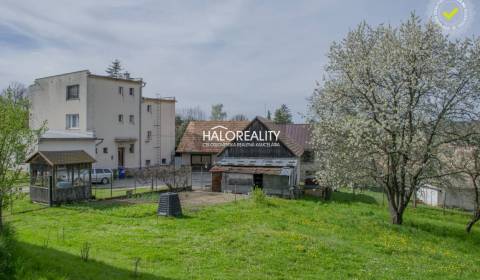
(451, 14)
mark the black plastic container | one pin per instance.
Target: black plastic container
(169, 205)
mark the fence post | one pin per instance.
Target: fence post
(135, 182)
(201, 176)
(111, 185)
(50, 191)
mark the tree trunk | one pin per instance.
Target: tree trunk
(475, 218)
(395, 207)
(397, 217)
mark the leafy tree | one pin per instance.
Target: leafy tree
(16, 141)
(183, 118)
(282, 115)
(15, 91)
(239, 117)
(115, 69)
(217, 113)
(269, 115)
(388, 106)
(180, 127)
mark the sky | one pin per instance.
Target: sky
(251, 56)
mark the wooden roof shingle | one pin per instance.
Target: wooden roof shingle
(62, 157)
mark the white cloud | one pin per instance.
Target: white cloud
(245, 54)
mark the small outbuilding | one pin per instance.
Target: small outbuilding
(454, 197)
(60, 176)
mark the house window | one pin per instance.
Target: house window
(149, 108)
(132, 91)
(73, 121)
(120, 118)
(131, 118)
(147, 162)
(149, 135)
(105, 150)
(131, 148)
(73, 92)
(120, 90)
(164, 161)
(201, 159)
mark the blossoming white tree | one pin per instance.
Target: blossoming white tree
(389, 101)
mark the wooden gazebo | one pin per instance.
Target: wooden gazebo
(60, 176)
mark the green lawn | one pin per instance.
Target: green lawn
(105, 192)
(285, 239)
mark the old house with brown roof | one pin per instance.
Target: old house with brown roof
(242, 154)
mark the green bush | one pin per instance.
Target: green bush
(258, 195)
(7, 260)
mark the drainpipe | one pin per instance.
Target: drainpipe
(142, 84)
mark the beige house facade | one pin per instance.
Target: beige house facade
(112, 110)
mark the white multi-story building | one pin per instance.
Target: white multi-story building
(129, 131)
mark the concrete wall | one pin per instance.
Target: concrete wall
(98, 106)
(105, 104)
(162, 144)
(49, 102)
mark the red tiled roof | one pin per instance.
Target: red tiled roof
(295, 137)
(192, 139)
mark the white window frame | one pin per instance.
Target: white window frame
(72, 121)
